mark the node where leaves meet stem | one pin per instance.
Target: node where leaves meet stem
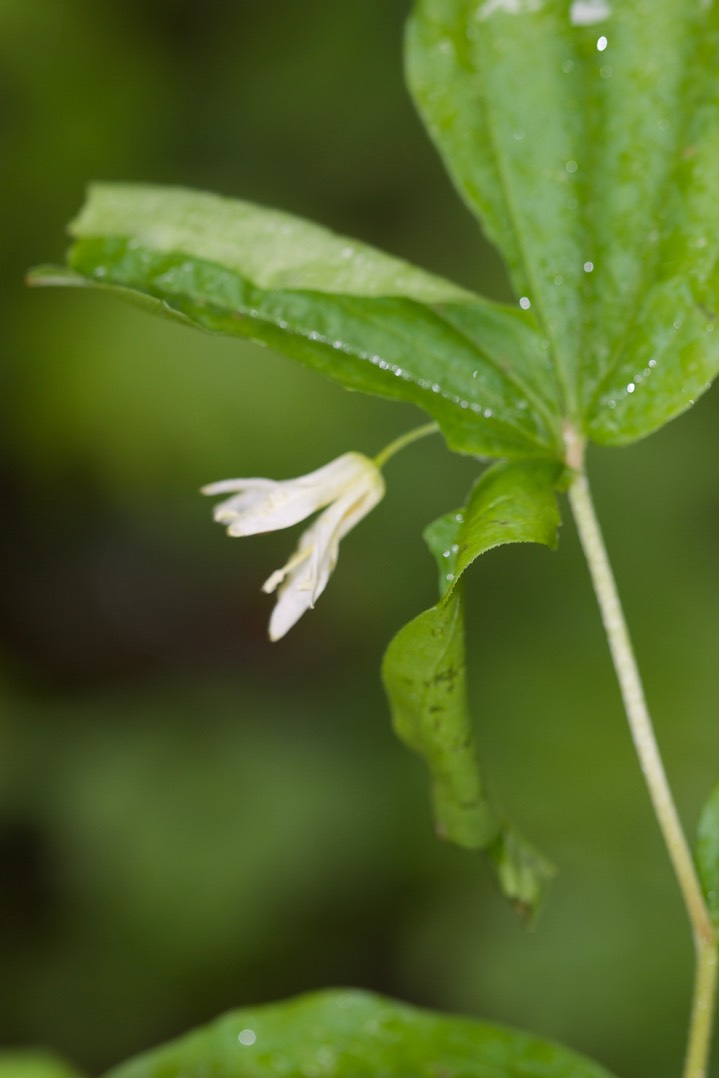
(640, 724)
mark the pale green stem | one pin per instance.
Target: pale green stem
(640, 724)
(404, 440)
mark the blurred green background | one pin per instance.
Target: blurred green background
(192, 819)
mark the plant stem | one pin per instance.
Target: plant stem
(404, 440)
(650, 760)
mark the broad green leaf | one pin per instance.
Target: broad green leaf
(424, 669)
(352, 1034)
(708, 853)
(33, 1064)
(370, 322)
(585, 136)
(274, 250)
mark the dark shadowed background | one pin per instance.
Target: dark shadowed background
(193, 819)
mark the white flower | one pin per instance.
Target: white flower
(346, 488)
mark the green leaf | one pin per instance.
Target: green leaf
(33, 1064)
(424, 673)
(585, 136)
(274, 250)
(368, 321)
(352, 1034)
(708, 853)
(424, 669)
(523, 872)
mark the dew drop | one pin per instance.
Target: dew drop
(602, 43)
(571, 166)
(588, 267)
(631, 387)
(247, 1037)
(525, 303)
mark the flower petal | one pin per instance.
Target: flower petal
(274, 581)
(346, 489)
(301, 582)
(263, 505)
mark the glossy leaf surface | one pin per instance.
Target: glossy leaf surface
(365, 320)
(585, 136)
(346, 1034)
(708, 853)
(425, 675)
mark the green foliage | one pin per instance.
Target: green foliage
(596, 178)
(28, 1064)
(424, 669)
(708, 853)
(346, 1034)
(367, 321)
(614, 250)
(585, 137)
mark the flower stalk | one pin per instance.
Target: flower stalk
(640, 724)
(403, 441)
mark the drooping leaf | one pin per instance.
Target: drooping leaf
(585, 136)
(368, 321)
(424, 669)
(708, 853)
(352, 1034)
(425, 676)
